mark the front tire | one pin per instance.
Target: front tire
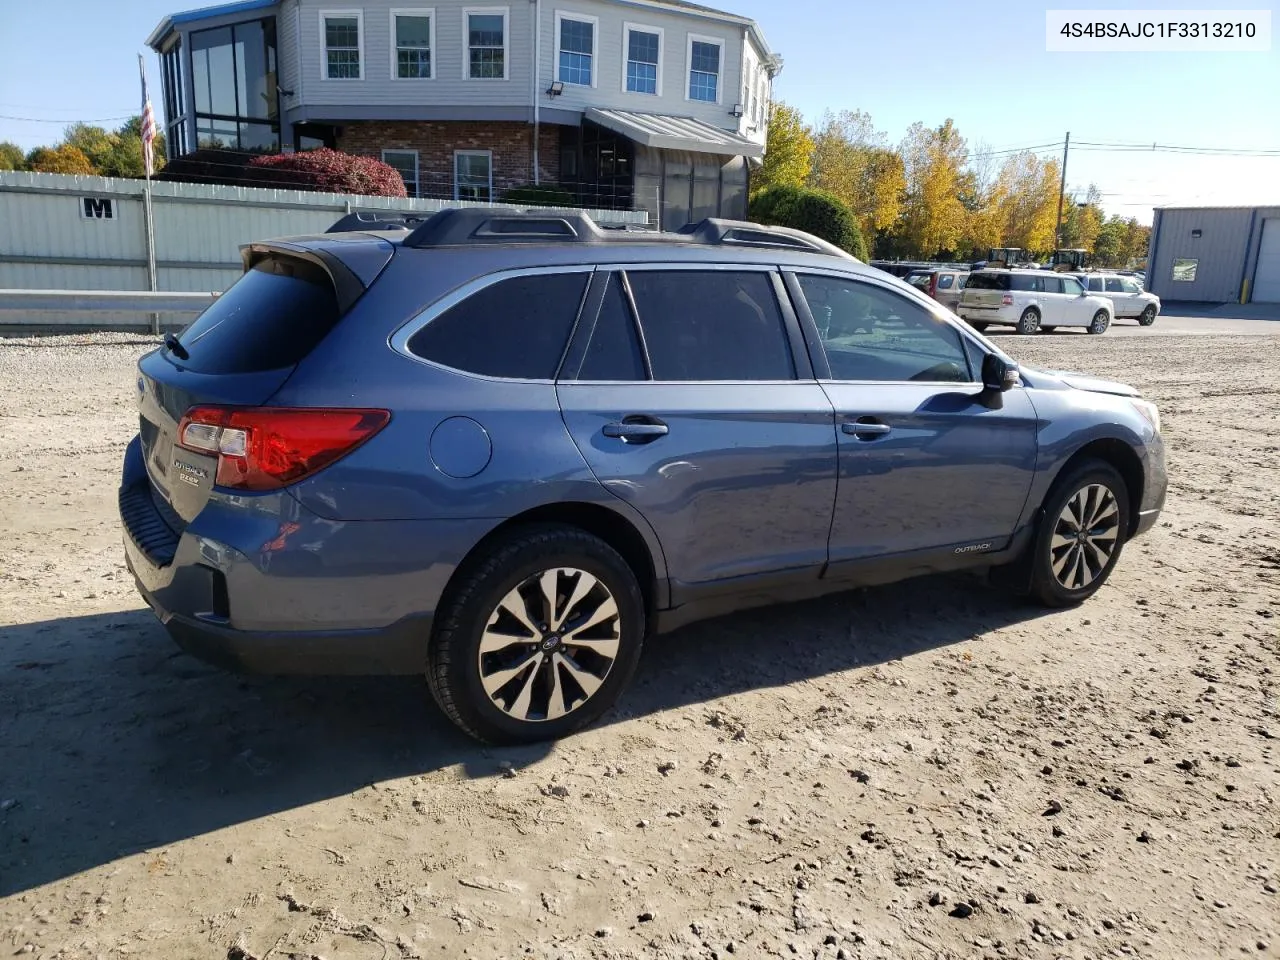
(1101, 323)
(1148, 316)
(1029, 322)
(1082, 531)
(538, 638)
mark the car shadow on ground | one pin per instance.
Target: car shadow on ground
(116, 742)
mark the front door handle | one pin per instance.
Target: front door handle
(866, 428)
(636, 429)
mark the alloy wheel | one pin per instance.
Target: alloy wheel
(1085, 537)
(549, 644)
(1100, 322)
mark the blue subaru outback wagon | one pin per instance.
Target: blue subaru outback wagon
(501, 449)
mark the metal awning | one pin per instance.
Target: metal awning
(674, 133)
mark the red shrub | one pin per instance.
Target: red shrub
(329, 171)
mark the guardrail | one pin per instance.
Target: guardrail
(104, 301)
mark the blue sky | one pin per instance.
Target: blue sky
(984, 65)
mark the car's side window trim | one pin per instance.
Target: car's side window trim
(630, 297)
(400, 337)
(814, 338)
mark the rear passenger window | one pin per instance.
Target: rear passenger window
(514, 328)
(1113, 285)
(712, 325)
(1052, 284)
(1027, 283)
(613, 352)
(1095, 284)
(945, 281)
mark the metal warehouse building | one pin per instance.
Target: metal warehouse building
(1215, 254)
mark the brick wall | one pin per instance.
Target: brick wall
(436, 141)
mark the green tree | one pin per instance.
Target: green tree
(96, 143)
(1108, 248)
(126, 161)
(789, 150)
(11, 156)
(63, 159)
(933, 218)
(813, 211)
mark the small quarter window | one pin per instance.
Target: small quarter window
(613, 352)
(515, 328)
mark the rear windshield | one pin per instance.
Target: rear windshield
(988, 281)
(270, 318)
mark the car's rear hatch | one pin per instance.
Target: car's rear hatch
(985, 289)
(242, 349)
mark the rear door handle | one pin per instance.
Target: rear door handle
(866, 428)
(636, 430)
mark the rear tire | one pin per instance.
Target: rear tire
(1029, 322)
(1101, 323)
(538, 637)
(1084, 525)
(1148, 316)
(977, 325)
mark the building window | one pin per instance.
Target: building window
(704, 69)
(343, 34)
(412, 40)
(577, 49)
(473, 175)
(643, 52)
(406, 164)
(233, 77)
(486, 39)
(1184, 271)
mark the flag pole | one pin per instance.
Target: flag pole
(150, 226)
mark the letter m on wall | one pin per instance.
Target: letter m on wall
(97, 208)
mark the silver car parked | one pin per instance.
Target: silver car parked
(1127, 297)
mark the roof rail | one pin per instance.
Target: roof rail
(476, 225)
(459, 227)
(378, 220)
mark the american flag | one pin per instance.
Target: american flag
(148, 125)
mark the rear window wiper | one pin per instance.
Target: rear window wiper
(175, 346)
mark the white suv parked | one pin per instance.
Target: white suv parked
(1127, 297)
(1032, 300)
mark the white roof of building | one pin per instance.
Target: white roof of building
(674, 133)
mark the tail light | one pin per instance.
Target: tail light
(1007, 300)
(933, 284)
(266, 448)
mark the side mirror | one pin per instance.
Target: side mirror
(998, 374)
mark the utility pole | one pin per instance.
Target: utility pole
(1062, 192)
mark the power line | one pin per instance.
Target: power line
(127, 116)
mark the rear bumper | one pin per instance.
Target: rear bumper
(263, 585)
(398, 649)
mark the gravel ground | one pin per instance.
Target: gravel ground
(925, 770)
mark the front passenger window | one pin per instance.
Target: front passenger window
(871, 334)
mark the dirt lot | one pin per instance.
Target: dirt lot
(872, 775)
